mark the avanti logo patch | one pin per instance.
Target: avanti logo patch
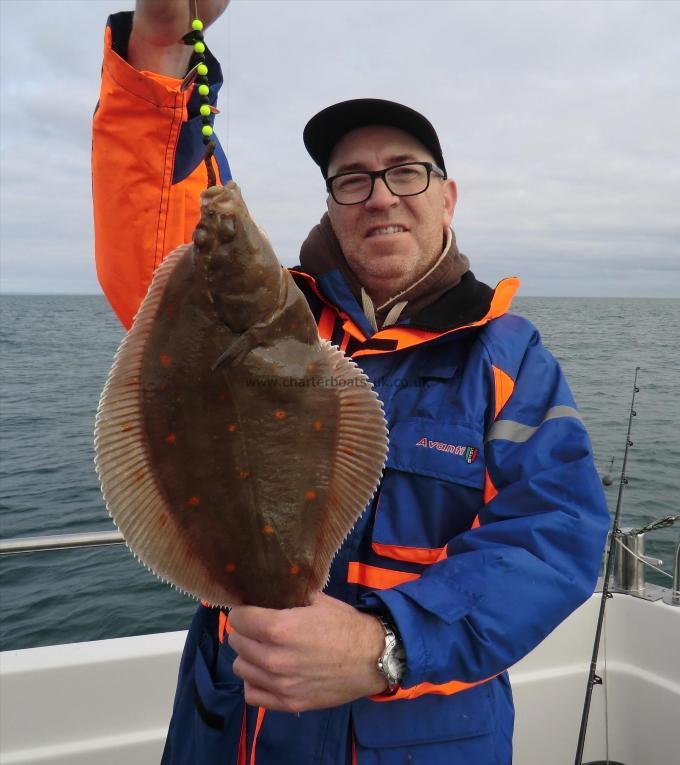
(469, 452)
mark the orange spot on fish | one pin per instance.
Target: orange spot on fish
(347, 450)
(280, 414)
(268, 529)
(140, 475)
(243, 474)
(230, 568)
(194, 501)
(311, 368)
(171, 438)
(294, 570)
(310, 495)
(317, 425)
(293, 325)
(166, 360)
(126, 428)
(231, 427)
(162, 520)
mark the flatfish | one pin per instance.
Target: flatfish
(235, 448)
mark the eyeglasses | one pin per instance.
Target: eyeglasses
(404, 180)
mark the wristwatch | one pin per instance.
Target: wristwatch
(392, 663)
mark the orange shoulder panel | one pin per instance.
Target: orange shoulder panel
(405, 336)
(139, 215)
(503, 388)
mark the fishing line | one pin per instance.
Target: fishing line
(227, 84)
(199, 74)
(606, 695)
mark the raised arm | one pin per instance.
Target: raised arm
(147, 150)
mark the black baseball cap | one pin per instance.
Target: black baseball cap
(326, 128)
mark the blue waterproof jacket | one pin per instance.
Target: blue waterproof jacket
(485, 533)
(488, 526)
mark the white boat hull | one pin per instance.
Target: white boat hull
(109, 701)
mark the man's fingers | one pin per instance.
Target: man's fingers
(161, 22)
(171, 19)
(263, 624)
(261, 690)
(210, 10)
(259, 697)
(251, 673)
(251, 650)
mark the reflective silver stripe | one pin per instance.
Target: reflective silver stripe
(509, 430)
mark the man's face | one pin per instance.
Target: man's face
(387, 262)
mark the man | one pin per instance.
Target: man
(489, 524)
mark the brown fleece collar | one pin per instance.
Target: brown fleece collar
(321, 253)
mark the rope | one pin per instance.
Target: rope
(369, 308)
(661, 523)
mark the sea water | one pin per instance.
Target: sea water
(55, 354)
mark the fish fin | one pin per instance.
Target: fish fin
(132, 496)
(237, 351)
(361, 451)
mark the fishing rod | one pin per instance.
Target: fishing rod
(593, 678)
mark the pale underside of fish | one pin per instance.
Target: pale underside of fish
(235, 449)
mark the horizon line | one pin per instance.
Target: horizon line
(19, 293)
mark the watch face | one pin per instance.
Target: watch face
(395, 666)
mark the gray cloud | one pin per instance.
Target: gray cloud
(559, 122)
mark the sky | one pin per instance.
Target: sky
(560, 122)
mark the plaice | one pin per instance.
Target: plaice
(235, 448)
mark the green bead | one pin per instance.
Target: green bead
(199, 47)
(207, 130)
(203, 90)
(205, 110)
(197, 25)
(202, 69)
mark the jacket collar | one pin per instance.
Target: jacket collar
(434, 312)
(321, 255)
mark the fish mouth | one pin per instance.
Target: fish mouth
(386, 229)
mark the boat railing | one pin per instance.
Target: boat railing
(629, 572)
(673, 598)
(60, 542)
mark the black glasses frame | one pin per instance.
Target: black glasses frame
(382, 174)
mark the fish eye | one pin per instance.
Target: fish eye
(226, 228)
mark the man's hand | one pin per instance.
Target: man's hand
(306, 658)
(157, 29)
